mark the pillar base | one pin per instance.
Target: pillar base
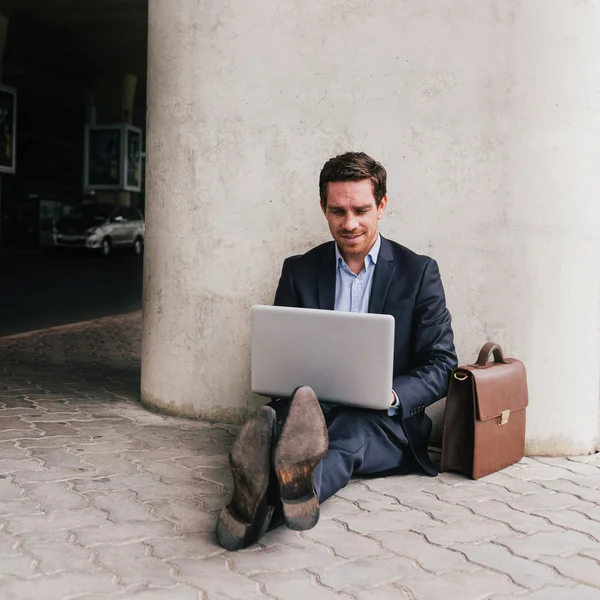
(233, 415)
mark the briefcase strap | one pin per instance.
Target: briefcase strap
(482, 359)
(484, 354)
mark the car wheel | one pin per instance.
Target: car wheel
(106, 247)
(138, 246)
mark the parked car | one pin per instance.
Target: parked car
(103, 228)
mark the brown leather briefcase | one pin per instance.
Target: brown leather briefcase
(484, 420)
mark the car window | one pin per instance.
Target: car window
(118, 215)
(90, 213)
(133, 214)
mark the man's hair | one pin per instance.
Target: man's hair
(353, 166)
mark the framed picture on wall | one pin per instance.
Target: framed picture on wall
(103, 169)
(133, 159)
(8, 129)
(113, 158)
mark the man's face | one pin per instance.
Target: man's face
(352, 214)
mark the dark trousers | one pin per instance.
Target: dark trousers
(361, 442)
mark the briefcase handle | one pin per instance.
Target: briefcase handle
(484, 354)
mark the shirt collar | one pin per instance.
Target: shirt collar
(373, 252)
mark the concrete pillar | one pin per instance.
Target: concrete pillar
(486, 116)
(114, 97)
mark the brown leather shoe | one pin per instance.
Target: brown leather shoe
(301, 445)
(248, 514)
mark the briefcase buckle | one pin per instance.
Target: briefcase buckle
(503, 418)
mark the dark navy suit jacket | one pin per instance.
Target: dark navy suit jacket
(408, 287)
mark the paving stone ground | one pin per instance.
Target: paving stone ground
(100, 498)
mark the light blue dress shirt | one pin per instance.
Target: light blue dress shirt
(353, 292)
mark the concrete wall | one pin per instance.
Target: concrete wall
(486, 116)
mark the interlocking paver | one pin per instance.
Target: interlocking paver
(475, 586)
(124, 532)
(385, 592)
(470, 494)
(57, 587)
(120, 506)
(279, 558)
(13, 423)
(18, 435)
(512, 484)
(57, 417)
(389, 520)
(577, 592)
(346, 544)
(578, 467)
(587, 494)
(9, 546)
(31, 463)
(368, 500)
(185, 515)
(56, 458)
(10, 450)
(133, 564)
(60, 428)
(114, 482)
(469, 531)
(185, 546)
(55, 496)
(410, 483)
(52, 475)
(110, 464)
(417, 549)
(523, 572)
(177, 592)
(337, 507)
(595, 554)
(9, 490)
(535, 503)
(282, 536)
(579, 568)
(23, 506)
(539, 472)
(41, 441)
(367, 572)
(519, 521)
(438, 509)
(569, 519)
(18, 566)
(100, 496)
(305, 586)
(587, 480)
(186, 457)
(54, 521)
(556, 543)
(61, 556)
(214, 577)
(174, 491)
(43, 538)
(168, 471)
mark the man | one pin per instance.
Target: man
(295, 453)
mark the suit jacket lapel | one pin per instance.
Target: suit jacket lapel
(382, 277)
(326, 278)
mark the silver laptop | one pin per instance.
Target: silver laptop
(347, 358)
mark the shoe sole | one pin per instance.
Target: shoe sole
(250, 483)
(294, 463)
